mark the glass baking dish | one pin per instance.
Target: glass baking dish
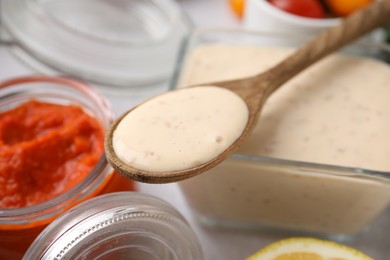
(268, 193)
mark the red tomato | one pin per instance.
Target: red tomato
(306, 8)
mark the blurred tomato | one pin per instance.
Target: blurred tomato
(237, 6)
(346, 7)
(306, 8)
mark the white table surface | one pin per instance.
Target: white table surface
(216, 244)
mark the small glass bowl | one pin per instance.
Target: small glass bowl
(118, 43)
(121, 225)
(256, 192)
(20, 226)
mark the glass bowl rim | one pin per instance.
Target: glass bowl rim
(114, 209)
(174, 17)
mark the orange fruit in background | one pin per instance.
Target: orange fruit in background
(346, 7)
(237, 6)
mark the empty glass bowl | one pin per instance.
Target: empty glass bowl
(114, 43)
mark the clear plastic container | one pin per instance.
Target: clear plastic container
(121, 225)
(20, 226)
(112, 43)
(267, 192)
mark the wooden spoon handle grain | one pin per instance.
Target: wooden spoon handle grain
(328, 41)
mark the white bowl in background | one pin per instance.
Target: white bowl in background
(263, 16)
(260, 15)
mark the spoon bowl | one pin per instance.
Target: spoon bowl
(255, 90)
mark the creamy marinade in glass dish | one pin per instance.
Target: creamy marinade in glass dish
(317, 160)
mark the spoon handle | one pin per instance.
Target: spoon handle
(326, 42)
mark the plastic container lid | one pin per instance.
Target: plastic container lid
(115, 43)
(124, 225)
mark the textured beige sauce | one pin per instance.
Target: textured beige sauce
(337, 112)
(180, 129)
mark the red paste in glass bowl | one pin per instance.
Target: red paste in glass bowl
(45, 149)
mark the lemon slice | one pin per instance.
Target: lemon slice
(307, 249)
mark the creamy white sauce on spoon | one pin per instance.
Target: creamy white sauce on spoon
(180, 129)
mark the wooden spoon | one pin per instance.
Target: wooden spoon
(255, 90)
